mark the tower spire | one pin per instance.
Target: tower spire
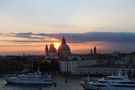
(63, 41)
(46, 50)
(95, 50)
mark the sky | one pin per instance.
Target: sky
(48, 20)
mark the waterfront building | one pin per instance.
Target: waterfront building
(106, 69)
(71, 66)
(99, 65)
(93, 64)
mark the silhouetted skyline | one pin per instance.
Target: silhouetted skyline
(107, 24)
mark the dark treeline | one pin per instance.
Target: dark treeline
(25, 64)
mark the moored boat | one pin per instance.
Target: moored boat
(30, 78)
(110, 82)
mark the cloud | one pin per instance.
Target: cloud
(95, 36)
(24, 38)
(121, 37)
(104, 41)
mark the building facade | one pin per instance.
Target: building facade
(72, 66)
(106, 69)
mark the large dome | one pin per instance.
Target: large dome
(64, 49)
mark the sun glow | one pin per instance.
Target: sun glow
(56, 45)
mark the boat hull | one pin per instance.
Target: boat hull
(36, 82)
(90, 87)
(29, 83)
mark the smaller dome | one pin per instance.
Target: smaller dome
(52, 48)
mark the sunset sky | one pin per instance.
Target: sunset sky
(27, 25)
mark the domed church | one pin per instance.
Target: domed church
(64, 49)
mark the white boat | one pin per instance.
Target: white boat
(114, 82)
(30, 78)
